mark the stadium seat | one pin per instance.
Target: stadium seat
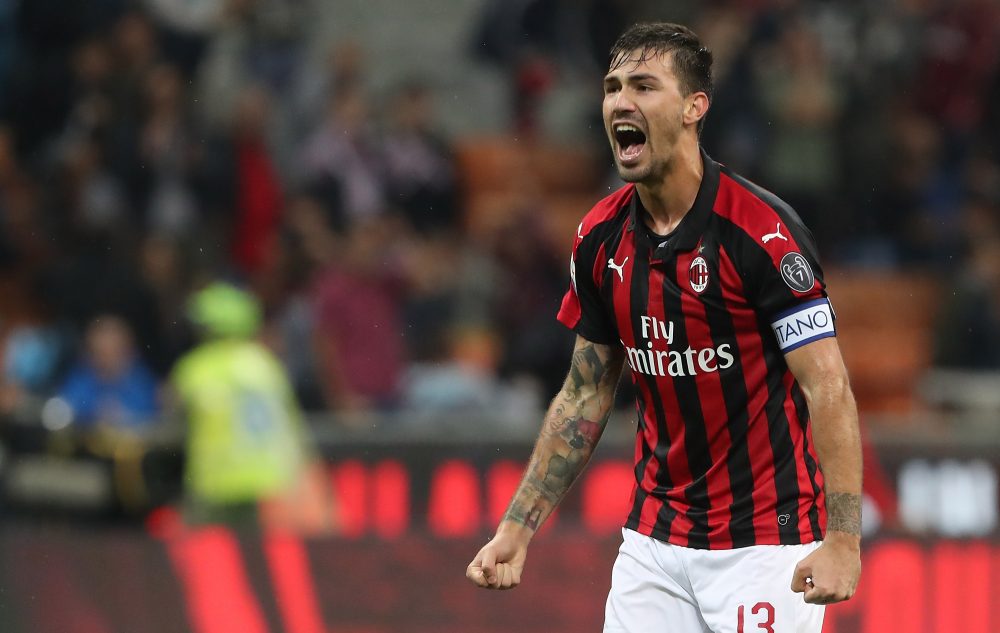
(884, 325)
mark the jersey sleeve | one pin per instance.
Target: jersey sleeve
(582, 309)
(787, 286)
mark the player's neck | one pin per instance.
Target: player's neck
(669, 200)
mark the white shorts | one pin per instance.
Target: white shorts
(657, 587)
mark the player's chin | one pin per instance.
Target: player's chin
(633, 173)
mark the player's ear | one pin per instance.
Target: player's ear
(695, 107)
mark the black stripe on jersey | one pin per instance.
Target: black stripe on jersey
(607, 234)
(786, 481)
(802, 412)
(611, 243)
(734, 392)
(640, 466)
(639, 298)
(695, 435)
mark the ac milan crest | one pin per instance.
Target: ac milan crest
(698, 274)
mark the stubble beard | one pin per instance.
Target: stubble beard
(634, 174)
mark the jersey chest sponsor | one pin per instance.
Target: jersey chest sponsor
(658, 359)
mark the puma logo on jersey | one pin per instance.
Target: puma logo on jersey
(618, 268)
(776, 235)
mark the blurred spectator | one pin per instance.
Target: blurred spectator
(968, 332)
(246, 440)
(533, 279)
(460, 378)
(185, 28)
(167, 273)
(309, 244)
(241, 182)
(734, 129)
(959, 56)
(801, 102)
(110, 385)
(91, 117)
(534, 40)
(144, 142)
(8, 34)
(165, 152)
(95, 200)
(358, 327)
(420, 174)
(25, 239)
(463, 379)
(134, 52)
(33, 355)
(344, 149)
(916, 208)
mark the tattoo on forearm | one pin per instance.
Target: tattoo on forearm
(529, 517)
(587, 362)
(844, 512)
(553, 468)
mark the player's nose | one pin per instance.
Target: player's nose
(623, 103)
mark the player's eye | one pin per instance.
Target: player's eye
(611, 88)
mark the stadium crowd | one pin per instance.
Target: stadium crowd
(148, 149)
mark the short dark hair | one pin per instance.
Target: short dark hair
(692, 59)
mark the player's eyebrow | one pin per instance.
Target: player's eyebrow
(639, 77)
(632, 78)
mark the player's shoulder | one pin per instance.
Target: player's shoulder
(608, 212)
(753, 208)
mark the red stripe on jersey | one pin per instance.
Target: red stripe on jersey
(604, 210)
(713, 409)
(676, 459)
(601, 264)
(569, 311)
(765, 497)
(758, 219)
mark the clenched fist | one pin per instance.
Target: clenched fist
(499, 563)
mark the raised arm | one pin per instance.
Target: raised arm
(835, 567)
(572, 427)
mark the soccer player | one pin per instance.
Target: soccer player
(747, 458)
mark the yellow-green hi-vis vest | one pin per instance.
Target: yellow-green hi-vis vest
(244, 437)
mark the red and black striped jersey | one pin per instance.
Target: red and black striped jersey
(724, 454)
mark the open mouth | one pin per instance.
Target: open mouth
(631, 141)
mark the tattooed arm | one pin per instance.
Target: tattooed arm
(835, 567)
(571, 429)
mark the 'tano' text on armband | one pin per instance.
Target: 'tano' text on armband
(804, 324)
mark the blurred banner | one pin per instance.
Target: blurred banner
(412, 509)
(456, 484)
(211, 581)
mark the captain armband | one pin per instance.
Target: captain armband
(804, 324)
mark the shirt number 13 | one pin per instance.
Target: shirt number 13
(766, 625)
